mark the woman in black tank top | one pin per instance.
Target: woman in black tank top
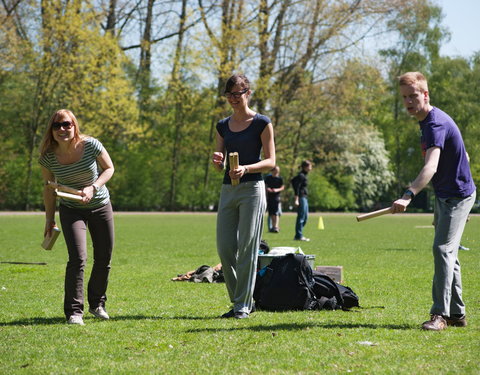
(242, 203)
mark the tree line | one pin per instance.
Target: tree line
(147, 77)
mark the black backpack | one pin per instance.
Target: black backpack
(326, 289)
(286, 284)
(350, 299)
(289, 283)
(264, 246)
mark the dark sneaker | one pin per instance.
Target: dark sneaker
(456, 321)
(436, 323)
(229, 314)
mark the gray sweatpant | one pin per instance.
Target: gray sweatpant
(450, 217)
(239, 230)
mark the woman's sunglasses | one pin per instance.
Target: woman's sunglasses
(64, 124)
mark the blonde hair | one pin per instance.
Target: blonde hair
(48, 142)
(415, 79)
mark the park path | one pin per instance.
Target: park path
(7, 213)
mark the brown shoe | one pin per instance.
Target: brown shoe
(436, 323)
(456, 321)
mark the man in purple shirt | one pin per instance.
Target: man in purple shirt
(447, 166)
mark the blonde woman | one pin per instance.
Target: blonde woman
(81, 162)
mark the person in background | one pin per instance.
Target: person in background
(241, 207)
(274, 184)
(299, 184)
(446, 165)
(81, 162)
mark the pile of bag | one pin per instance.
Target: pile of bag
(289, 283)
(203, 274)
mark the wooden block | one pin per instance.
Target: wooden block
(65, 189)
(49, 241)
(234, 165)
(335, 272)
(71, 197)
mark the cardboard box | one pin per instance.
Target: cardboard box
(334, 272)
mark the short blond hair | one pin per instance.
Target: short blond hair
(416, 79)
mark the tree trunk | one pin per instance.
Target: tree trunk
(268, 57)
(176, 88)
(111, 17)
(232, 11)
(144, 71)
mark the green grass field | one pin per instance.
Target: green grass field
(164, 327)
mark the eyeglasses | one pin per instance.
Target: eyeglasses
(235, 95)
(64, 124)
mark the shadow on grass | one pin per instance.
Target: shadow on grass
(302, 326)
(34, 322)
(38, 321)
(176, 317)
(259, 328)
(28, 263)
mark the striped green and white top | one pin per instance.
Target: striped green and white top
(80, 174)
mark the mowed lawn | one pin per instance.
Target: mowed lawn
(159, 326)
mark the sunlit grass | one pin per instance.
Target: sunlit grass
(165, 327)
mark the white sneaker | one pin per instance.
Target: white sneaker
(99, 312)
(301, 239)
(76, 319)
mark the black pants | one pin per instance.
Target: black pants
(74, 226)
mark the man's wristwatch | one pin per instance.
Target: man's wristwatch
(409, 193)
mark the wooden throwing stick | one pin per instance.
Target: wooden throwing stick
(65, 192)
(233, 160)
(373, 214)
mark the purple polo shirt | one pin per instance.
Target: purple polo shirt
(453, 177)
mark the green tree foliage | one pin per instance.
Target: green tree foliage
(419, 36)
(454, 88)
(325, 196)
(72, 65)
(333, 124)
(147, 78)
(353, 158)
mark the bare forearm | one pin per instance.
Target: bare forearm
(49, 202)
(429, 169)
(104, 177)
(422, 179)
(262, 166)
